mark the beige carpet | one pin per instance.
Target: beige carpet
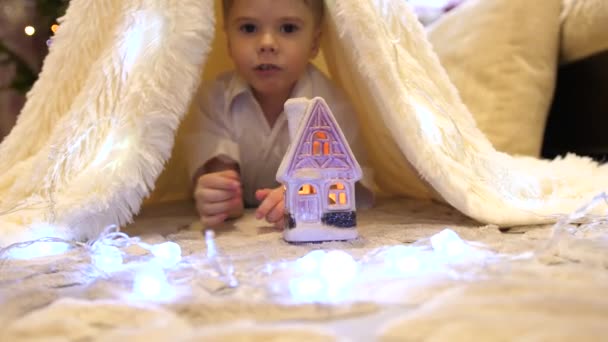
(556, 293)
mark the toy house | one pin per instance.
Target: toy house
(319, 172)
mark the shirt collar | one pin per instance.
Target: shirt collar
(237, 86)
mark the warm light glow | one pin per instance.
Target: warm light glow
(337, 186)
(332, 198)
(307, 189)
(54, 28)
(337, 194)
(317, 145)
(316, 148)
(30, 30)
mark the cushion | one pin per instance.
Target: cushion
(502, 57)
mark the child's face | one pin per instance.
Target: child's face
(271, 43)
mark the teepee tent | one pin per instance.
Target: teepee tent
(99, 126)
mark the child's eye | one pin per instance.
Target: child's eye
(247, 28)
(289, 28)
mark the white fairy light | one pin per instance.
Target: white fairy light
(409, 264)
(222, 264)
(39, 248)
(448, 244)
(167, 254)
(307, 289)
(322, 276)
(338, 270)
(107, 258)
(29, 30)
(151, 283)
(338, 267)
(402, 259)
(210, 243)
(311, 262)
(46, 245)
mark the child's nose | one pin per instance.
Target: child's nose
(268, 43)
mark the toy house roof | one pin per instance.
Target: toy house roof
(316, 114)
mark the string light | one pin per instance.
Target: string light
(319, 276)
(30, 30)
(167, 254)
(54, 28)
(107, 258)
(151, 283)
(448, 243)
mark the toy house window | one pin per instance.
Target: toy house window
(320, 144)
(307, 189)
(337, 195)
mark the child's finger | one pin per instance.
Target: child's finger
(219, 181)
(212, 220)
(219, 207)
(276, 213)
(261, 194)
(271, 200)
(209, 195)
(231, 174)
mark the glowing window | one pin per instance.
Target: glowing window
(320, 144)
(337, 194)
(316, 148)
(337, 186)
(307, 189)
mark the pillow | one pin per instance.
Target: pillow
(502, 57)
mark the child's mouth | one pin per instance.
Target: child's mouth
(267, 67)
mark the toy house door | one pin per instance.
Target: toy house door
(308, 204)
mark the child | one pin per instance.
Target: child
(241, 130)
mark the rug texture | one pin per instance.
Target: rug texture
(100, 125)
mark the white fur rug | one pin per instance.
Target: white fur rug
(525, 286)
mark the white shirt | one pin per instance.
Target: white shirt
(229, 123)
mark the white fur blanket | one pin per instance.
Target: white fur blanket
(99, 125)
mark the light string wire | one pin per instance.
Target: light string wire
(110, 246)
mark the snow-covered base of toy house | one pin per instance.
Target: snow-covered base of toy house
(318, 231)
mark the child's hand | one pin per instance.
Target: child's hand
(218, 196)
(273, 205)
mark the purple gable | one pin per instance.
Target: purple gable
(321, 145)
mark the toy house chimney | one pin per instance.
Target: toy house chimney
(295, 110)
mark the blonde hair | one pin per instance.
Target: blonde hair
(316, 6)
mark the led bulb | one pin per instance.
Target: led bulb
(338, 268)
(29, 30)
(106, 258)
(311, 262)
(167, 254)
(307, 289)
(151, 283)
(448, 243)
